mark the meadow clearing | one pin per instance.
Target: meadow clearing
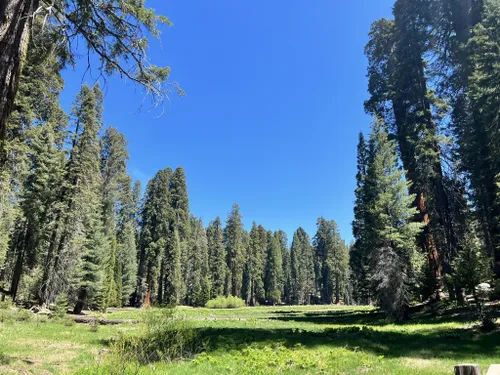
(254, 340)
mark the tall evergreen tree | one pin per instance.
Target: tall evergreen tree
(197, 274)
(34, 145)
(392, 230)
(82, 235)
(274, 270)
(359, 253)
(399, 88)
(332, 253)
(233, 238)
(217, 257)
(156, 236)
(302, 268)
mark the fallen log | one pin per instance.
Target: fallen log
(87, 319)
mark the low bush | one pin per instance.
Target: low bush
(7, 304)
(228, 302)
(4, 359)
(163, 338)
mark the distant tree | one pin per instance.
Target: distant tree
(302, 268)
(274, 270)
(156, 236)
(233, 239)
(359, 254)
(197, 274)
(217, 257)
(333, 257)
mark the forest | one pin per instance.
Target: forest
(77, 231)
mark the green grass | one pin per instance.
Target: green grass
(261, 340)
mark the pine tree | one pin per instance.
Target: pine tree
(34, 145)
(114, 31)
(332, 253)
(302, 268)
(82, 230)
(197, 274)
(233, 239)
(253, 268)
(399, 88)
(481, 138)
(217, 257)
(392, 230)
(156, 236)
(359, 253)
(116, 185)
(274, 270)
(285, 255)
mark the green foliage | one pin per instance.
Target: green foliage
(392, 231)
(274, 270)
(217, 257)
(233, 239)
(229, 302)
(162, 338)
(332, 262)
(61, 306)
(303, 268)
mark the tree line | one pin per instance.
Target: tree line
(434, 87)
(75, 224)
(427, 206)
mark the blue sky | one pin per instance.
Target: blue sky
(274, 105)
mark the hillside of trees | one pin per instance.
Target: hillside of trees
(427, 204)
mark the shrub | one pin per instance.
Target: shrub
(4, 359)
(163, 338)
(61, 306)
(228, 302)
(4, 305)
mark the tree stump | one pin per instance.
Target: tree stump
(494, 370)
(467, 369)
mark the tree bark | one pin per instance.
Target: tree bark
(467, 369)
(15, 25)
(428, 245)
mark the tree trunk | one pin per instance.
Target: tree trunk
(468, 369)
(15, 25)
(428, 245)
(82, 296)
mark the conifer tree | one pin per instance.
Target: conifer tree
(332, 253)
(82, 234)
(253, 271)
(34, 145)
(285, 254)
(156, 228)
(359, 253)
(217, 257)
(197, 274)
(116, 187)
(302, 268)
(274, 270)
(233, 238)
(392, 230)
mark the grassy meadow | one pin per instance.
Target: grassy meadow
(254, 340)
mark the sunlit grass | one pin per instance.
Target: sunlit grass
(260, 340)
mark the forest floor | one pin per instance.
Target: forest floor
(259, 340)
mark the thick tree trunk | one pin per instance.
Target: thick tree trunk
(82, 296)
(15, 25)
(429, 247)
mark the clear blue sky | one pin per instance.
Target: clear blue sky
(274, 105)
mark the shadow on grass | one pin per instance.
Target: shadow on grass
(375, 318)
(458, 344)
